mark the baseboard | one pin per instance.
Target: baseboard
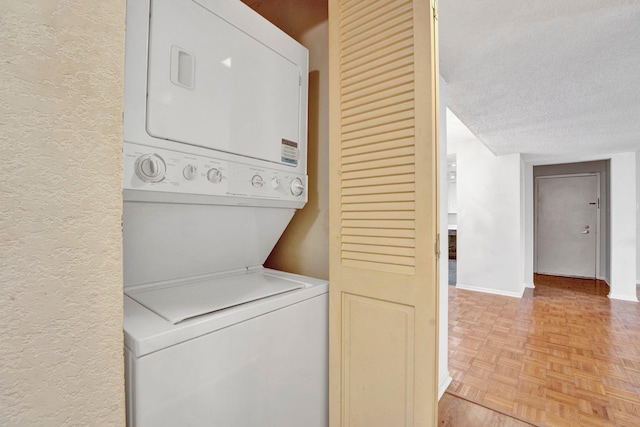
(632, 298)
(529, 285)
(488, 290)
(624, 297)
(443, 384)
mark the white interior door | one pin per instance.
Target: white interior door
(567, 225)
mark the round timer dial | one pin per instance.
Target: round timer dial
(150, 168)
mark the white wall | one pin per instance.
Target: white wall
(489, 248)
(452, 203)
(623, 226)
(304, 246)
(444, 379)
(61, 341)
(526, 232)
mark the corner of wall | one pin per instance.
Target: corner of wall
(623, 219)
(638, 217)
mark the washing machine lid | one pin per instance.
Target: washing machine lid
(213, 85)
(186, 299)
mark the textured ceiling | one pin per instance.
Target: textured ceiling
(543, 76)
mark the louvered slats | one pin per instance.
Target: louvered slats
(377, 130)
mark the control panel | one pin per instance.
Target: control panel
(161, 170)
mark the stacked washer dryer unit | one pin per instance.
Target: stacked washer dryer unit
(214, 167)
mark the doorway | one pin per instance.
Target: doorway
(452, 222)
(567, 225)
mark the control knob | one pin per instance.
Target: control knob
(150, 168)
(297, 187)
(275, 183)
(257, 181)
(190, 172)
(214, 175)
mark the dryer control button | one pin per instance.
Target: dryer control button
(257, 181)
(214, 175)
(297, 187)
(190, 172)
(150, 168)
(275, 183)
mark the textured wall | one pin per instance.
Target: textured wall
(60, 209)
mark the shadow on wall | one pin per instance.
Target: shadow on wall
(287, 254)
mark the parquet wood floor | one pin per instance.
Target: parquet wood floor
(454, 411)
(563, 355)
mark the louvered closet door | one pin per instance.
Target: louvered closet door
(383, 309)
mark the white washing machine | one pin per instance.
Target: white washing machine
(261, 363)
(214, 167)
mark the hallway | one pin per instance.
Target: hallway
(563, 355)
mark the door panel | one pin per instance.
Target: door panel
(383, 297)
(364, 353)
(567, 225)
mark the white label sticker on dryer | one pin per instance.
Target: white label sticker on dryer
(290, 152)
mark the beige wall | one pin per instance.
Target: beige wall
(60, 208)
(304, 247)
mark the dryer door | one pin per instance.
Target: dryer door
(213, 85)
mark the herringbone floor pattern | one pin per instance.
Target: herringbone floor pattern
(563, 355)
